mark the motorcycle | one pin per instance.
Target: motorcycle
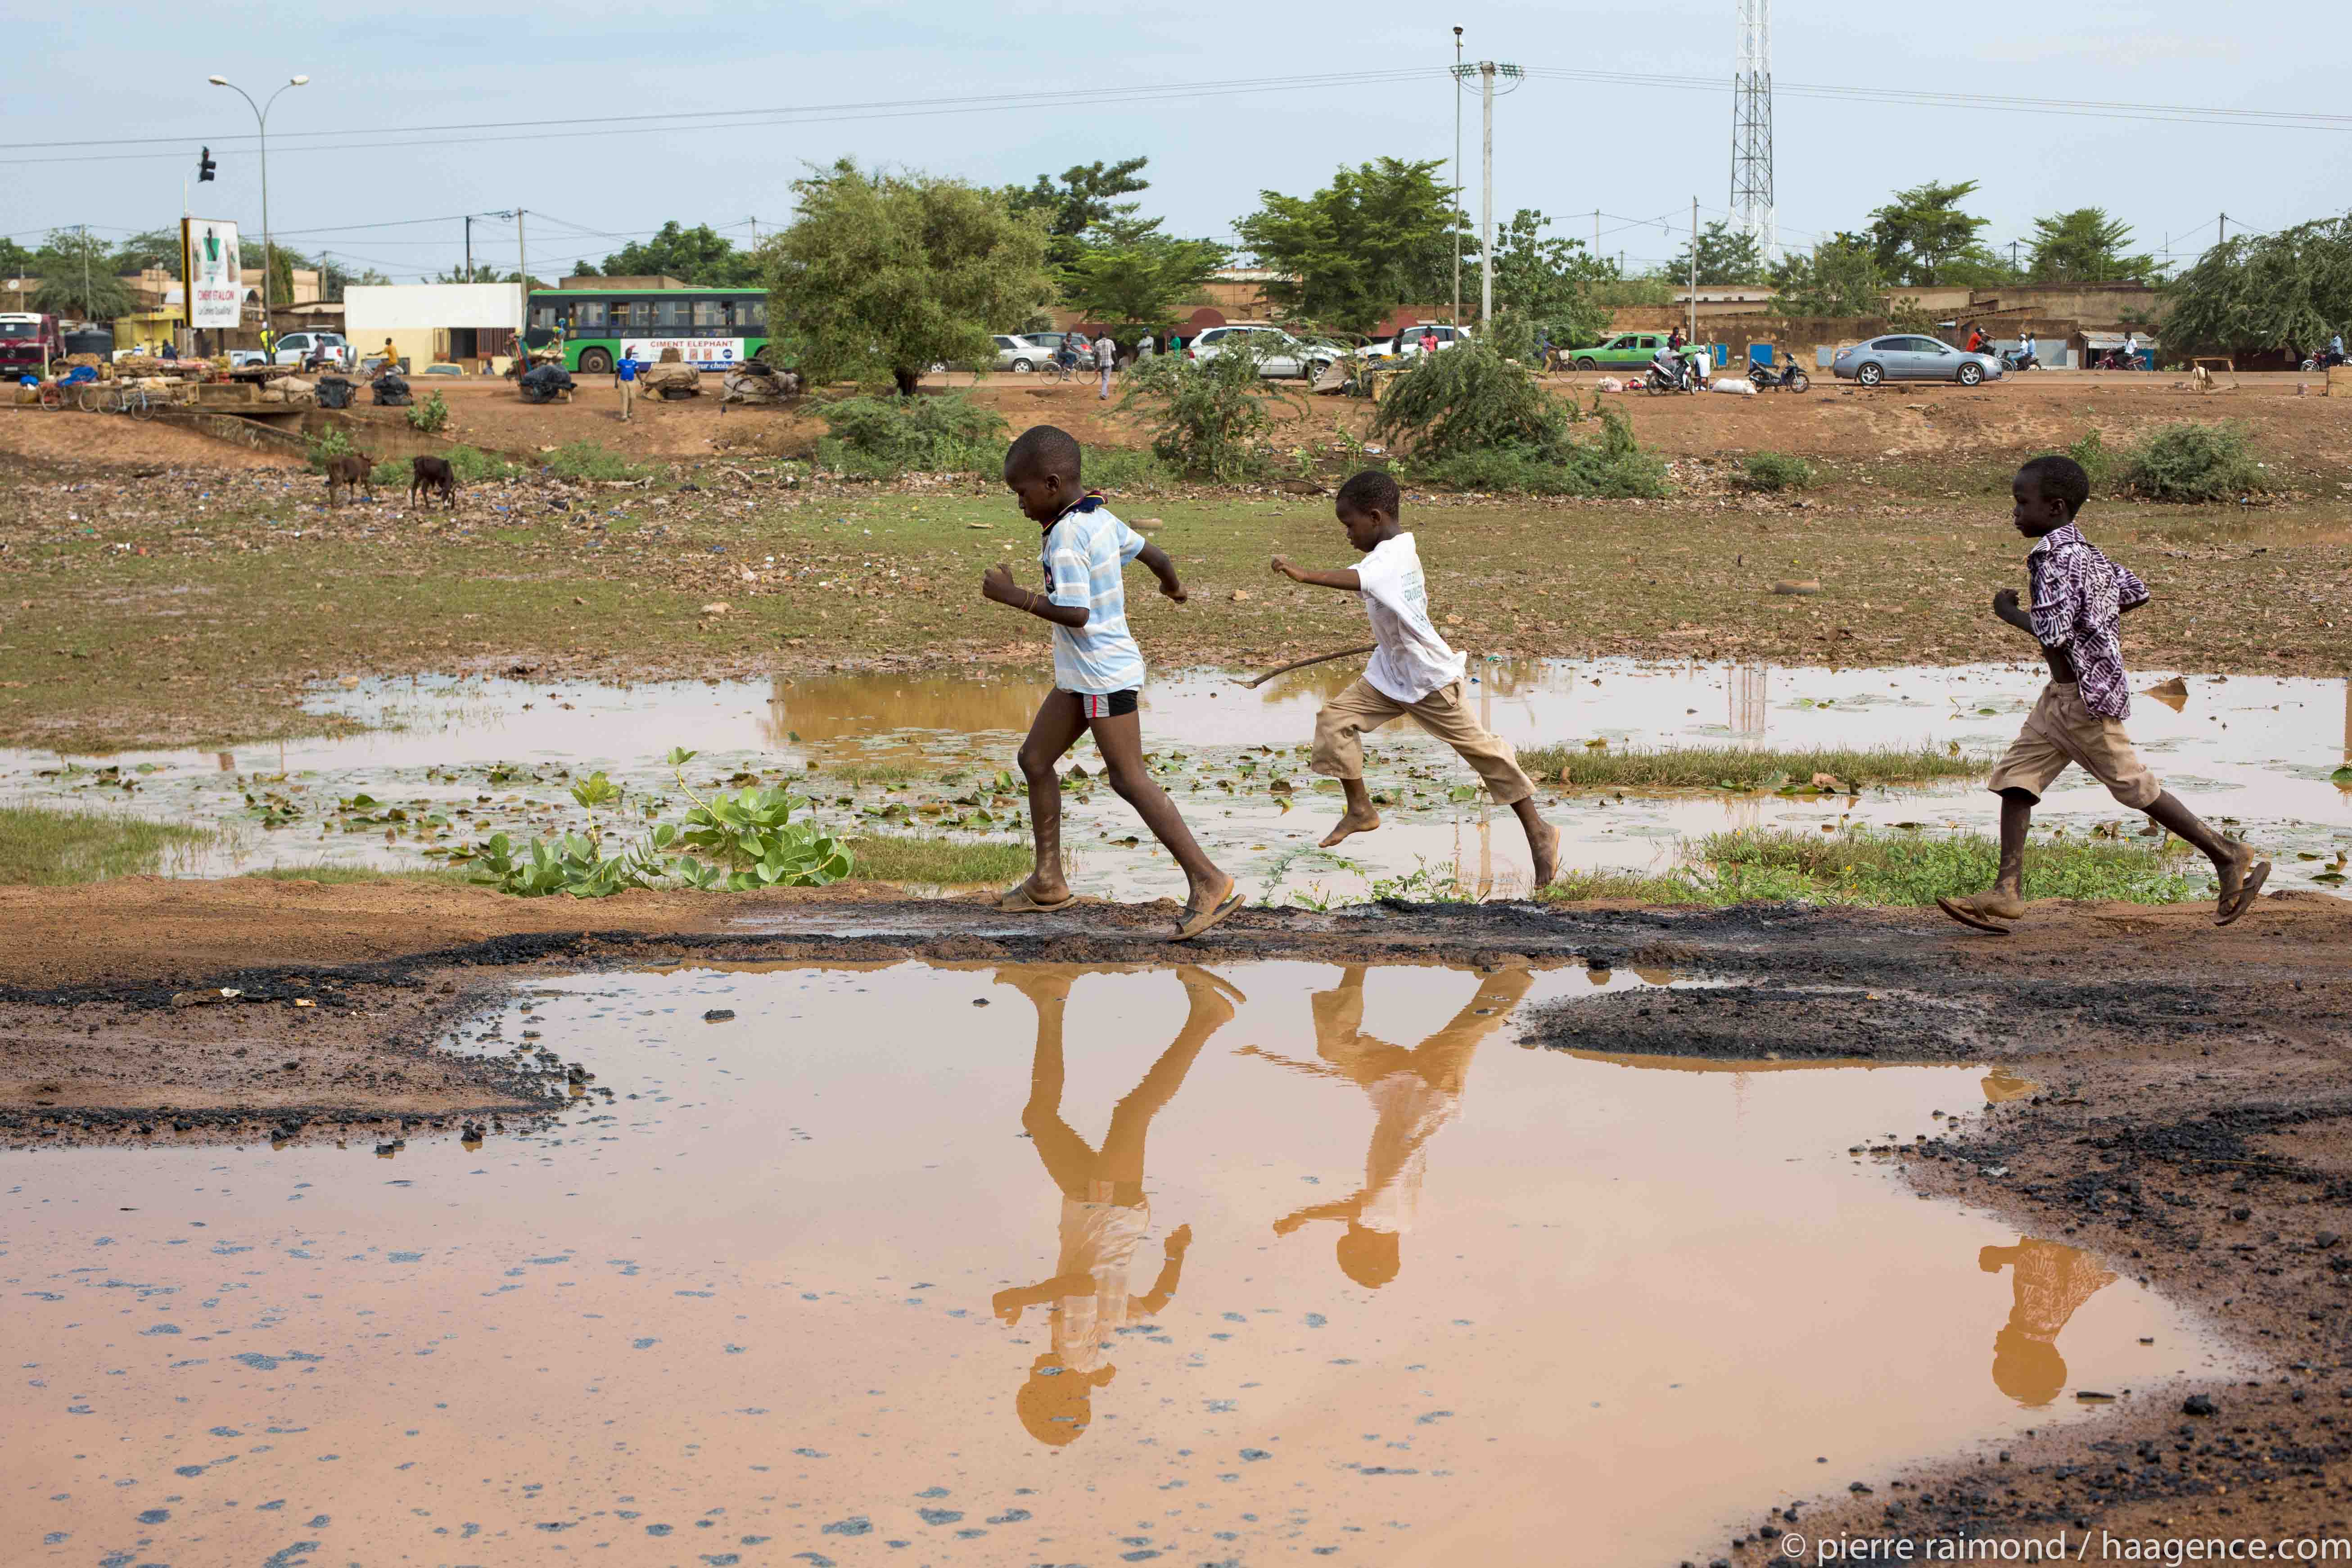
(2324, 360)
(1659, 380)
(1787, 377)
(2115, 359)
(2018, 359)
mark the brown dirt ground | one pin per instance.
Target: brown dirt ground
(1833, 422)
(2195, 1129)
(77, 440)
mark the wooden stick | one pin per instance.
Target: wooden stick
(1301, 664)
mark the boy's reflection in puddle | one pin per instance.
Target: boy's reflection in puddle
(2052, 1280)
(1414, 1093)
(1105, 1210)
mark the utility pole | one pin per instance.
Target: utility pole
(2222, 229)
(522, 255)
(261, 118)
(85, 268)
(469, 248)
(1457, 180)
(1694, 271)
(1486, 194)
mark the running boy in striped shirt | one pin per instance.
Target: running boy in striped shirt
(1097, 672)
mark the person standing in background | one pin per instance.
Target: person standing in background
(624, 376)
(1104, 350)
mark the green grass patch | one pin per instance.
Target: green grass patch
(940, 861)
(1742, 767)
(588, 461)
(1890, 870)
(1771, 472)
(882, 438)
(44, 848)
(341, 875)
(472, 465)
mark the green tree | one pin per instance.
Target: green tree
(701, 255)
(1921, 229)
(77, 272)
(150, 248)
(1550, 282)
(481, 273)
(2086, 246)
(1140, 281)
(282, 263)
(1839, 277)
(885, 275)
(15, 261)
(583, 267)
(1380, 235)
(1081, 201)
(1723, 257)
(2290, 289)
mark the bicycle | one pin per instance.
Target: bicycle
(97, 397)
(136, 402)
(53, 395)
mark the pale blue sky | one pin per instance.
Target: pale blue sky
(138, 69)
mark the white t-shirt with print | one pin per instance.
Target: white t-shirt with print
(1411, 660)
(1083, 556)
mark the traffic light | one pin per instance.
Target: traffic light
(204, 166)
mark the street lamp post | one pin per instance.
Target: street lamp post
(261, 118)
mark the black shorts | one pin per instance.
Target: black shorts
(1108, 704)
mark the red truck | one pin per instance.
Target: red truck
(29, 342)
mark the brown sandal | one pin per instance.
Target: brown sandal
(1966, 911)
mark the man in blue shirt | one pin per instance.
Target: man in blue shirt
(624, 376)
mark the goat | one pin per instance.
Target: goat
(432, 476)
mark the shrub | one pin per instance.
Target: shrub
(325, 445)
(1119, 468)
(1776, 471)
(2193, 463)
(428, 416)
(1209, 417)
(1471, 418)
(882, 437)
(472, 465)
(2093, 454)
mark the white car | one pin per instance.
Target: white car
(1279, 353)
(295, 348)
(1406, 345)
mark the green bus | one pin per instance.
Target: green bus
(711, 327)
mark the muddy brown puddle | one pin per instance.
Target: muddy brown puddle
(1020, 1265)
(459, 759)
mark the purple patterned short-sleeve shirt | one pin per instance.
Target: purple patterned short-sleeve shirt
(2079, 596)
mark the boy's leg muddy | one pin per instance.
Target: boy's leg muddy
(1543, 842)
(2006, 900)
(1358, 817)
(1211, 895)
(2242, 871)
(1060, 720)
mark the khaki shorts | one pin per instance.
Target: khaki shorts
(1341, 726)
(2060, 731)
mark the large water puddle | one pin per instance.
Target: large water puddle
(458, 759)
(1038, 1265)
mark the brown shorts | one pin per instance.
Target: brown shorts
(2060, 731)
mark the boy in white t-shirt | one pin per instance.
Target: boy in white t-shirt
(1097, 673)
(1412, 671)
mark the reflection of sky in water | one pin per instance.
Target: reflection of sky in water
(1121, 1261)
(2256, 750)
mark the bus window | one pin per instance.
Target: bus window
(588, 316)
(633, 315)
(543, 317)
(669, 315)
(751, 315)
(711, 313)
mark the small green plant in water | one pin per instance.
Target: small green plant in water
(745, 841)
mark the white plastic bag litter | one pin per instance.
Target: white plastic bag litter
(1740, 385)
(1610, 384)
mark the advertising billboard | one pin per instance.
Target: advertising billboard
(214, 271)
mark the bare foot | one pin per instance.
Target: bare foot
(1362, 821)
(1546, 850)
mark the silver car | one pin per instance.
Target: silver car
(1903, 356)
(1279, 353)
(1020, 354)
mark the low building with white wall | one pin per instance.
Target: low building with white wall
(427, 322)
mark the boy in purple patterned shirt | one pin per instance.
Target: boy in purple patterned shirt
(2079, 596)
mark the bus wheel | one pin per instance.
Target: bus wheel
(595, 361)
